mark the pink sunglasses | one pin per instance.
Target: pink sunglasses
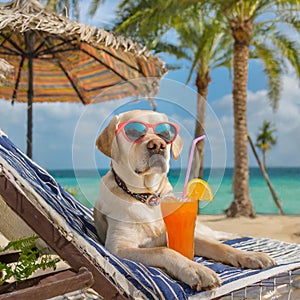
(134, 131)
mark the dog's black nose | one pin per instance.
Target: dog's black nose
(156, 146)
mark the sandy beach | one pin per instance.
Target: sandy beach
(285, 228)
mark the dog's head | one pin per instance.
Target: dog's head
(142, 155)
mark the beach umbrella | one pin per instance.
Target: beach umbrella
(58, 59)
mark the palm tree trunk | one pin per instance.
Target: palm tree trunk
(264, 159)
(242, 204)
(202, 83)
(266, 176)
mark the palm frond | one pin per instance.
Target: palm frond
(222, 54)
(200, 38)
(288, 49)
(179, 52)
(273, 70)
(130, 24)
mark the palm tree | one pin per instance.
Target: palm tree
(210, 48)
(202, 40)
(255, 27)
(265, 139)
(267, 178)
(247, 20)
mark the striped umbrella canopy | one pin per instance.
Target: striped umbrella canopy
(58, 59)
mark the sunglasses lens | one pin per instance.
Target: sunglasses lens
(135, 131)
(166, 131)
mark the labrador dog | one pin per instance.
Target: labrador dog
(127, 213)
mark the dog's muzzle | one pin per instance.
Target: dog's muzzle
(156, 146)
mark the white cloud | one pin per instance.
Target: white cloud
(286, 120)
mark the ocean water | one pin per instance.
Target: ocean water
(286, 182)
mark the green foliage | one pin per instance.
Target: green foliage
(181, 28)
(203, 30)
(273, 36)
(30, 260)
(265, 138)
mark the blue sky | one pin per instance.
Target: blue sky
(64, 133)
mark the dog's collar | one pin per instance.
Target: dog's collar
(147, 198)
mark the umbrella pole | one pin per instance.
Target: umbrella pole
(30, 46)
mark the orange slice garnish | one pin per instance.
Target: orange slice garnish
(198, 189)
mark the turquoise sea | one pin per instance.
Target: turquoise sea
(286, 182)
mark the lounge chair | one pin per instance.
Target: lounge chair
(67, 227)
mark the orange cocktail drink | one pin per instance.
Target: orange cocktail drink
(180, 218)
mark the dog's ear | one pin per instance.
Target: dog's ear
(105, 139)
(176, 147)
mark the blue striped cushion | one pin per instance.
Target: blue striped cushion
(152, 282)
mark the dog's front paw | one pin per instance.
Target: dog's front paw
(252, 260)
(198, 277)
